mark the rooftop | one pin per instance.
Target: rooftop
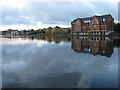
(88, 18)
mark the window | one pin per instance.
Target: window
(77, 22)
(104, 19)
(94, 25)
(95, 21)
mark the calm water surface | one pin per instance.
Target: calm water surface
(59, 62)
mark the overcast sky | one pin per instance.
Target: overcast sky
(21, 14)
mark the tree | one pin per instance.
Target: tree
(42, 31)
(32, 31)
(69, 31)
(117, 27)
(57, 27)
(48, 31)
(49, 27)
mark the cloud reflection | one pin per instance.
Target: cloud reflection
(36, 65)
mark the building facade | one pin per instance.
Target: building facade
(96, 25)
(11, 32)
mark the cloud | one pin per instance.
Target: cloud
(14, 16)
(61, 13)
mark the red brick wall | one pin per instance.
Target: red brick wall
(96, 25)
(110, 23)
(76, 26)
(99, 25)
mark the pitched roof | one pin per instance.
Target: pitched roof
(84, 19)
(104, 16)
(88, 18)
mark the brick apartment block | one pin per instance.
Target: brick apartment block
(96, 25)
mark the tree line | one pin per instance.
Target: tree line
(117, 27)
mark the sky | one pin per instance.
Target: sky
(35, 14)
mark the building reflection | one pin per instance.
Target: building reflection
(97, 46)
(103, 46)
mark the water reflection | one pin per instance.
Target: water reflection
(49, 62)
(102, 47)
(91, 45)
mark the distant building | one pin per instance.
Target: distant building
(3, 32)
(96, 25)
(66, 29)
(56, 28)
(12, 32)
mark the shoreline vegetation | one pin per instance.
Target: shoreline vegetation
(114, 34)
(57, 31)
(58, 38)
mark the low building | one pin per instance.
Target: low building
(12, 32)
(66, 29)
(56, 28)
(96, 25)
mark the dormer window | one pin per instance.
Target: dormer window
(77, 22)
